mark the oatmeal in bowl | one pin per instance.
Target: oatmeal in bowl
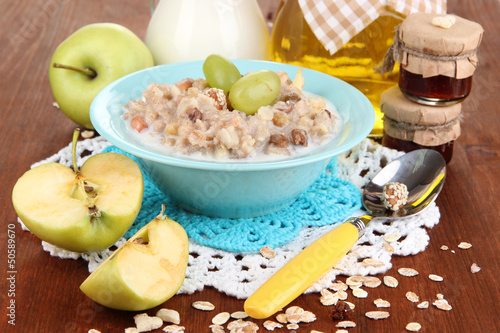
(210, 157)
(192, 118)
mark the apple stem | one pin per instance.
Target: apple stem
(76, 134)
(87, 71)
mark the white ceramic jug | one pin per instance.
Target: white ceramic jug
(185, 30)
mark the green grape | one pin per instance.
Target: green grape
(220, 72)
(254, 90)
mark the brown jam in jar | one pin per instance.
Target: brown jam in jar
(446, 149)
(434, 90)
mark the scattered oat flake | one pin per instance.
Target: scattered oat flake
(351, 305)
(354, 281)
(388, 247)
(342, 295)
(203, 305)
(173, 329)
(267, 252)
(169, 316)
(373, 262)
(444, 247)
(439, 296)
(359, 293)
(380, 303)
(412, 297)
(407, 272)
(423, 305)
(131, 330)
(87, 134)
(392, 238)
(337, 286)
(338, 331)
(377, 315)
(217, 328)
(281, 318)
(145, 323)
(346, 324)
(442, 304)
(307, 317)
(464, 245)
(475, 268)
(390, 281)
(221, 318)
(413, 327)
(292, 326)
(445, 22)
(237, 324)
(93, 330)
(452, 251)
(294, 314)
(435, 277)
(271, 325)
(54, 104)
(371, 281)
(328, 298)
(239, 315)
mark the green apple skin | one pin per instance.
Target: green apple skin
(139, 276)
(48, 201)
(111, 50)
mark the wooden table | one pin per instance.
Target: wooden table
(45, 289)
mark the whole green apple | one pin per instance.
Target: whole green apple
(90, 59)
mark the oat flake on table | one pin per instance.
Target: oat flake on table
(358, 166)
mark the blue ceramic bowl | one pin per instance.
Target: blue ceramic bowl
(231, 189)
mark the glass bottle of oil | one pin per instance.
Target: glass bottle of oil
(293, 42)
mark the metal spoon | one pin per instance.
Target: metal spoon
(422, 171)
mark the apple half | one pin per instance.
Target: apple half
(144, 272)
(82, 210)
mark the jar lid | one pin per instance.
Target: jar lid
(428, 49)
(397, 107)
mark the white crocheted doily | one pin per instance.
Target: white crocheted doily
(240, 274)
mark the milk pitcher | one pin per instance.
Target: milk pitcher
(193, 29)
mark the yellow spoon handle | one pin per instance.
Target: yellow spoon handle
(301, 272)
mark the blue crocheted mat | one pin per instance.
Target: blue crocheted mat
(329, 200)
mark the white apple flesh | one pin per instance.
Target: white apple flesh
(144, 272)
(81, 211)
(90, 59)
